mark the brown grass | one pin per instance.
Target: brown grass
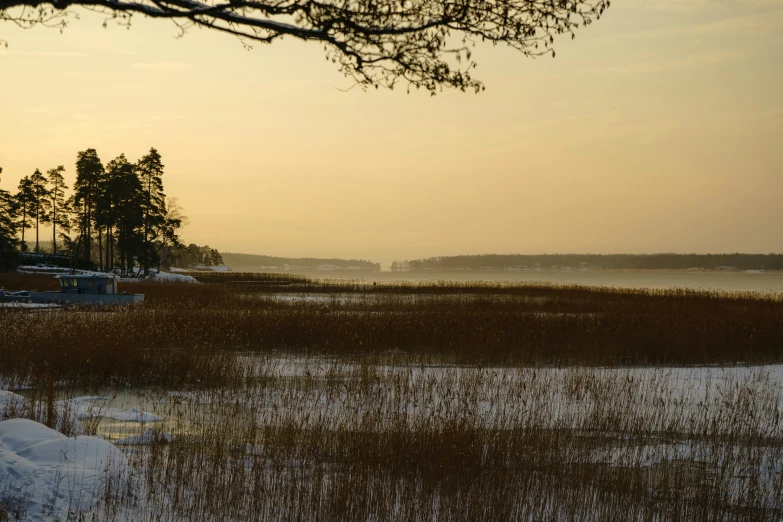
(183, 332)
(366, 442)
(299, 412)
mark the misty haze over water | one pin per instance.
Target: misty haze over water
(694, 279)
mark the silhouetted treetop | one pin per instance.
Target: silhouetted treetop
(424, 43)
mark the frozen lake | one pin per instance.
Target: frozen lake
(590, 440)
(339, 393)
(771, 281)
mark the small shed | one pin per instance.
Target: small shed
(88, 284)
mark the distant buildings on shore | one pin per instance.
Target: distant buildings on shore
(582, 267)
(736, 262)
(397, 266)
(323, 267)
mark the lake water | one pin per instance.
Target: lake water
(771, 281)
(318, 390)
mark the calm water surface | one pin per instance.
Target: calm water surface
(771, 281)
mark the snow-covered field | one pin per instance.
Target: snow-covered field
(350, 405)
(30, 306)
(725, 422)
(45, 475)
(173, 275)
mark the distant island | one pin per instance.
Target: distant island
(520, 262)
(261, 263)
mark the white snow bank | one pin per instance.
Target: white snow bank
(155, 275)
(45, 474)
(10, 404)
(13, 406)
(180, 278)
(83, 408)
(18, 304)
(45, 269)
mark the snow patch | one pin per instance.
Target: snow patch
(180, 278)
(28, 305)
(11, 404)
(46, 475)
(83, 408)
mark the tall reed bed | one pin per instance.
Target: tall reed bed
(319, 439)
(296, 399)
(185, 332)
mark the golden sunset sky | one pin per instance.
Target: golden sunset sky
(658, 129)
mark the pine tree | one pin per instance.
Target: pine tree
(101, 218)
(125, 194)
(24, 200)
(41, 203)
(8, 225)
(58, 203)
(150, 172)
(89, 170)
(105, 213)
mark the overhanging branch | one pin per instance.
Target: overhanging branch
(375, 42)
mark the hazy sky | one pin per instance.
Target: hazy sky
(659, 128)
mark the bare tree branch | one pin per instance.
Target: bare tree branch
(425, 43)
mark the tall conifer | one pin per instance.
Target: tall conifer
(58, 205)
(150, 172)
(24, 200)
(88, 173)
(41, 203)
(125, 196)
(8, 242)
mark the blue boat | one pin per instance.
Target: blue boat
(91, 289)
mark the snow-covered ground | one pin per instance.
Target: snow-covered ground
(46, 475)
(158, 275)
(85, 408)
(171, 277)
(11, 404)
(44, 269)
(645, 416)
(155, 275)
(31, 306)
(549, 397)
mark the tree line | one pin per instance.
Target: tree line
(117, 215)
(251, 262)
(191, 256)
(605, 261)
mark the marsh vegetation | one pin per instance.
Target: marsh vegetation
(295, 399)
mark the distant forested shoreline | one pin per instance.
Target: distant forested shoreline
(735, 261)
(253, 262)
(117, 217)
